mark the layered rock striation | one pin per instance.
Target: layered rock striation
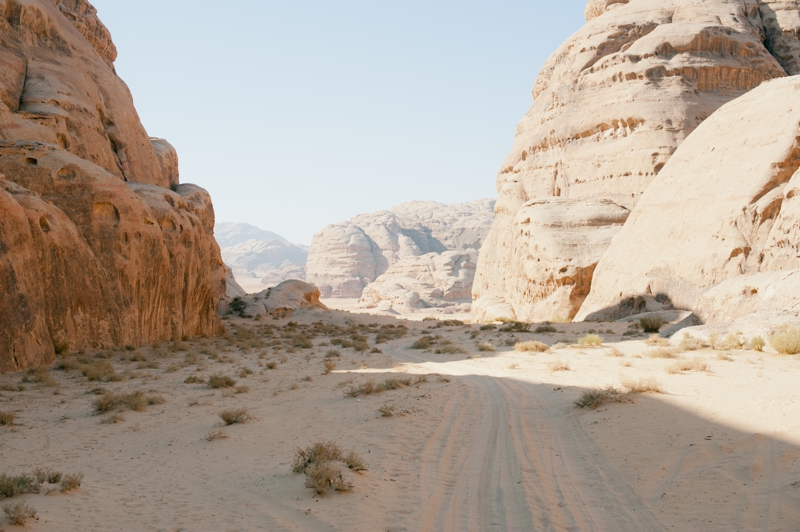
(100, 245)
(610, 107)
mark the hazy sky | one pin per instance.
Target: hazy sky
(296, 114)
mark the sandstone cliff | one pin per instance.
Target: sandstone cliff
(610, 107)
(99, 244)
(723, 214)
(344, 258)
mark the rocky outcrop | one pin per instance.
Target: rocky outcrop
(345, 257)
(726, 205)
(100, 245)
(556, 244)
(434, 280)
(260, 259)
(282, 300)
(613, 103)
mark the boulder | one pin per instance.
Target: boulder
(614, 102)
(726, 205)
(282, 300)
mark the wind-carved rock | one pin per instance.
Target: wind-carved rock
(610, 107)
(100, 245)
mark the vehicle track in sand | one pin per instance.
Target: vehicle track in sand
(509, 456)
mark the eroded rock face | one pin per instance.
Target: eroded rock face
(344, 258)
(726, 205)
(614, 102)
(282, 300)
(556, 243)
(95, 249)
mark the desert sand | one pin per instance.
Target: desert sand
(487, 440)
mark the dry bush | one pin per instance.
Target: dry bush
(724, 356)
(242, 389)
(531, 347)
(545, 329)
(221, 381)
(420, 379)
(244, 372)
(657, 340)
(100, 370)
(616, 353)
(14, 485)
(271, 365)
(558, 365)
(387, 410)
(192, 379)
(663, 352)
(713, 339)
(41, 375)
(333, 353)
(71, 481)
(691, 344)
(321, 476)
(422, 343)
(786, 341)
(239, 415)
(47, 474)
(7, 418)
(319, 452)
(590, 340)
(559, 345)
(137, 401)
(18, 514)
(595, 398)
(216, 435)
(329, 366)
(643, 385)
(732, 341)
(486, 347)
(651, 324)
(757, 344)
(449, 350)
(696, 364)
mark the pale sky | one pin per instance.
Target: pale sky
(295, 114)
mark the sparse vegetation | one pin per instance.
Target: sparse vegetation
(696, 364)
(231, 417)
(595, 398)
(516, 326)
(39, 375)
(546, 328)
(322, 476)
(642, 385)
(47, 474)
(216, 435)
(7, 418)
(486, 347)
(531, 347)
(18, 514)
(616, 353)
(691, 344)
(651, 324)
(422, 343)
(558, 365)
(371, 386)
(14, 485)
(663, 352)
(387, 410)
(317, 461)
(757, 344)
(786, 341)
(590, 340)
(221, 381)
(137, 401)
(71, 481)
(329, 365)
(731, 341)
(657, 341)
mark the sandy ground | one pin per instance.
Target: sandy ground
(353, 306)
(486, 443)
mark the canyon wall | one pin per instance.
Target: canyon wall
(100, 245)
(610, 107)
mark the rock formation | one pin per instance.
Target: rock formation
(610, 107)
(345, 257)
(282, 300)
(259, 259)
(99, 244)
(722, 215)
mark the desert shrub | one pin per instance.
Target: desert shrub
(516, 326)
(387, 410)
(14, 485)
(558, 365)
(643, 385)
(724, 356)
(486, 347)
(663, 352)
(731, 341)
(354, 461)
(713, 339)
(333, 353)
(651, 324)
(137, 401)
(786, 341)
(192, 379)
(237, 306)
(18, 514)
(421, 343)
(41, 375)
(7, 418)
(231, 417)
(47, 474)
(616, 353)
(71, 481)
(488, 327)
(221, 381)
(319, 452)
(595, 398)
(100, 370)
(531, 347)
(590, 340)
(757, 344)
(559, 345)
(360, 346)
(449, 350)
(322, 476)
(696, 364)
(329, 366)
(691, 344)
(545, 329)
(216, 435)
(657, 340)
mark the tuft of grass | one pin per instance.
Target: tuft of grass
(595, 398)
(731, 341)
(11, 485)
(18, 514)
(216, 435)
(696, 364)
(100, 370)
(326, 451)
(691, 344)
(333, 353)
(643, 385)
(757, 344)
(558, 365)
(231, 417)
(616, 353)
(422, 343)
(786, 341)
(321, 476)
(71, 481)
(41, 375)
(387, 410)
(651, 324)
(7, 418)
(449, 350)
(663, 352)
(242, 389)
(657, 340)
(590, 340)
(724, 356)
(545, 329)
(47, 474)
(486, 347)
(221, 381)
(713, 339)
(329, 365)
(531, 347)
(137, 401)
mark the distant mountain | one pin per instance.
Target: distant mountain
(259, 259)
